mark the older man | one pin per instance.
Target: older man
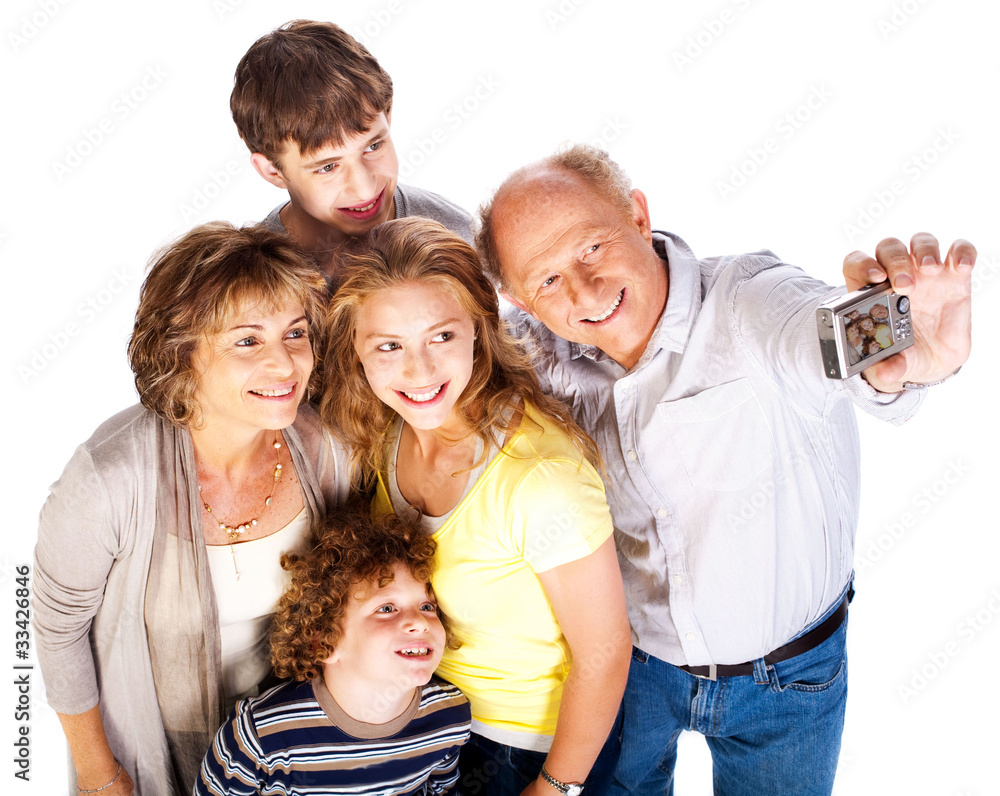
(733, 462)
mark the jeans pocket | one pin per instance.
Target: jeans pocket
(526, 763)
(817, 679)
(818, 669)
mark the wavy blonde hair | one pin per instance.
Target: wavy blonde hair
(412, 250)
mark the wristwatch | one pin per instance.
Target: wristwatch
(567, 788)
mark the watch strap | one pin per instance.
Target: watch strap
(567, 788)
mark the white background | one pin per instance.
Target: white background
(683, 95)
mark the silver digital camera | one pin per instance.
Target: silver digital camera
(862, 328)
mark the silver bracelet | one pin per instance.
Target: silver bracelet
(911, 385)
(118, 773)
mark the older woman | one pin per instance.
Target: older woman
(157, 564)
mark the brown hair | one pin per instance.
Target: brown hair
(194, 287)
(310, 83)
(419, 250)
(591, 164)
(352, 548)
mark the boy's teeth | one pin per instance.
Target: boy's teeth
(368, 206)
(418, 651)
(607, 313)
(420, 397)
(273, 393)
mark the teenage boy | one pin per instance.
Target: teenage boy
(358, 633)
(314, 108)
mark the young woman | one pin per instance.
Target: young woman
(445, 418)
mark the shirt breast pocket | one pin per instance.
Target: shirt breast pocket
(720, 436)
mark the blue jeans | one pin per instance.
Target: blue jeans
(488, 768)
(776, 731)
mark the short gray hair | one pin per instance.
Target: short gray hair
(590, 163)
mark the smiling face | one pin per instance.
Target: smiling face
(253, 374)
(340, 191)
(391, 639)
(415, 342)
(574, 261)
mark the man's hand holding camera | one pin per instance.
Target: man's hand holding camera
(940, 306)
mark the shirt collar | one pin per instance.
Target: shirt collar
(683, 302)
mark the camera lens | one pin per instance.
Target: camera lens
(903, 305)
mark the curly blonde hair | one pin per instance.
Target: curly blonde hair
(194, 288)
(352, 547)
(417, 250)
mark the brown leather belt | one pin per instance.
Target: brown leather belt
(809, 641)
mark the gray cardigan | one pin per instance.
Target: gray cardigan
(124, 610)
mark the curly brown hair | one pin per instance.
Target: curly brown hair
(418, 250)
(194, 288)
(352, 547)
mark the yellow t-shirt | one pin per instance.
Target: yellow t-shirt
(538, 504)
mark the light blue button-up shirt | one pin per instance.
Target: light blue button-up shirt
(732, 461)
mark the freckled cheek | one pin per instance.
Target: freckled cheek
(379, 374)
(306, 362)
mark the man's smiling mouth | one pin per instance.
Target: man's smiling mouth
(609, 311)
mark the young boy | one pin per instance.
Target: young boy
(314, 108)
(358, 633)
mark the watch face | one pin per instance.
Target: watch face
(574, 790)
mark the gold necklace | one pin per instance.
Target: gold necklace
(234, 531)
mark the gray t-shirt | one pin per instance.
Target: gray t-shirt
(409, 201)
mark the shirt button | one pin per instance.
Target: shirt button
(689, 636)
(678, 579)
(632, 456)
(661, 513)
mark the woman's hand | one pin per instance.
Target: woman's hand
(538, 788)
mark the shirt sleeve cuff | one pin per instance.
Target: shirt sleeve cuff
(893, 407)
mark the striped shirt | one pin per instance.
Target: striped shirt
(295, 739)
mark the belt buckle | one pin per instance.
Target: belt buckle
(712, 673)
